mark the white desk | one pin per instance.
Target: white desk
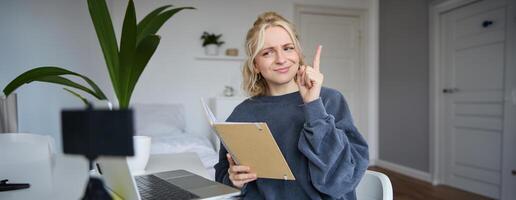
(70, 175)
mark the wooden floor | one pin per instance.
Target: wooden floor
(407, 188)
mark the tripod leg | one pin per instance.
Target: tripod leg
(95, 190)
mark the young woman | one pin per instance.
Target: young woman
(311, 124)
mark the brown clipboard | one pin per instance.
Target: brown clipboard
(252, 144)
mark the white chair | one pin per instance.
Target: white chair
(26, 158)
(374, 186)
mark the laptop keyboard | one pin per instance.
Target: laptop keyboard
(152, 187)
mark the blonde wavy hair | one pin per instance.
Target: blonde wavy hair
(253, 82)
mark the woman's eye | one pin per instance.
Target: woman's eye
(288, 48)
(266, 53)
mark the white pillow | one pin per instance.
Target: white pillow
(181, 143)
(186, 143)
(159, 119)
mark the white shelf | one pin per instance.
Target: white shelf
(230, 58)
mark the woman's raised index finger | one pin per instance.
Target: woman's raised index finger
(317, 58)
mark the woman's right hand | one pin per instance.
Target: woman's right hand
(239, 174)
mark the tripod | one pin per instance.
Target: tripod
(95, 189)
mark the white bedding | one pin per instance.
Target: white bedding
(165, 124)
(185, 142)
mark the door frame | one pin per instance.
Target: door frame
(509, 137)
(369, 60)
(436, 98)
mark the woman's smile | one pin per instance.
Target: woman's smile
(282, 70)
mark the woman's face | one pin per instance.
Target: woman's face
(278, 61)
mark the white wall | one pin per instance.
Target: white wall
(60, 32)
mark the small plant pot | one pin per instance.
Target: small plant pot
(142, 146)
(8, 113)
(211, 50)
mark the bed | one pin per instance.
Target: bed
(165, 124)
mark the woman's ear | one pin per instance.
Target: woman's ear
(255, 69)
(301, 58)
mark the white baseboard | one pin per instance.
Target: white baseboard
(414, 173)
(372, 162)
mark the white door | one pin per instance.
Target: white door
(473, 95)
(341, 55)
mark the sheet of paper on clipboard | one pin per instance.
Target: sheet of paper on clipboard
(251, 144)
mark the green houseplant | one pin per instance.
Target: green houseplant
(211, 43)
(211, 38)
(125, 64)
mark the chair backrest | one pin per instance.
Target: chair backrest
(374, 186)
(26, 158)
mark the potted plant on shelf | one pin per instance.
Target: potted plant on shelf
(211, 43)
(125, 63)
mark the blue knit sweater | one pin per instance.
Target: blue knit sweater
(324, 150)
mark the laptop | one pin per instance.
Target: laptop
(177, 184)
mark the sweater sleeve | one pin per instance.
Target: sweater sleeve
(337, 154)
(221, 168)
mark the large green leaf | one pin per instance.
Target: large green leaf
(53, 75)
(94, 86)
(84, 100)
(144, 52)
(155, 23)
(104, 28)
(127, 54)
(149, 17)
(66, 82)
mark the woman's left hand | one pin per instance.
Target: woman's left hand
(310, 79)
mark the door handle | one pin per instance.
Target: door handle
(450, 90)
(513, 172)
(487, 23)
